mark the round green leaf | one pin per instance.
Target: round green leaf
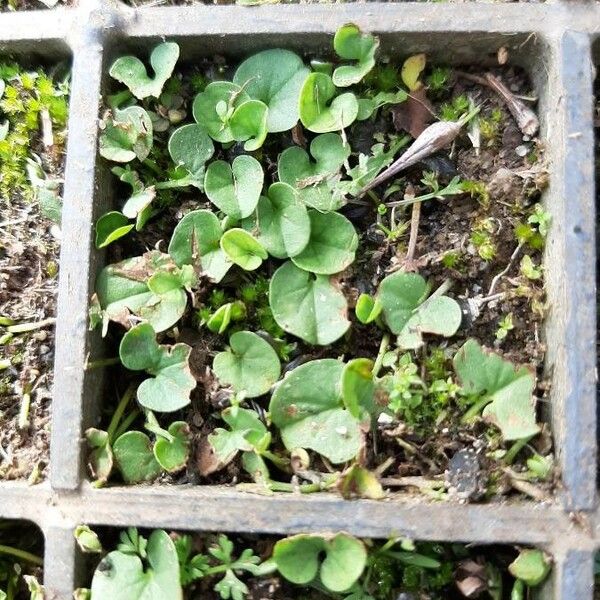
(332, 244)
(110, 227)
(196, 241)
(320, 111)
(124, 288)
(283, 222)
(367, 308)
(121, 576)
(243, 249)
(234, 189)
(307, 408)
(214, 107)
(275, 77)
(249, 124)
(298, 557)
(399, 295)
(440, 316)
(314, 180)
(131, 71)
(531, 566)
(345, 560)
(172, 382)
(351, 44)
(251, 365)
(358, 387)
(307, 305)
(127, 135)
(173, 455)
(134, 457)
(190, 146)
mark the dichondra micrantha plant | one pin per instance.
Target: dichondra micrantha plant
(252, 302)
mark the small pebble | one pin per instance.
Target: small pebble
(522, 150)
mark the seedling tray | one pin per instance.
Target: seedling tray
(554, 42)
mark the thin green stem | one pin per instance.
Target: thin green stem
(21, 555)
(102, 362)
(282, 463)
(383, 346)
(126, 398)
(476, 409)
(26, 327)
(512, 452)
(127, 421)
(305, 488)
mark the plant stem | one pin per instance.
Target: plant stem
(114, 422)
(102, 362)
(512, 452)
(23, 421)
(476, 409)
(305, 488)
(282, 463)
(127, 421)
(26, 327)
(383, 346)
(414, 232)
(21, 554)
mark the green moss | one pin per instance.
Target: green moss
(26, 95)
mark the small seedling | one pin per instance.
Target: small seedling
(350, 44)
(307, 408)
(169, 388)
(132, 72)
(504, 391)
(251, 365)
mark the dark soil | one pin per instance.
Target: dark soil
(25, 536)
(29, 252)
(512, 172)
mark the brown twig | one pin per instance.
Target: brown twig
(526, 119)
(414, 233)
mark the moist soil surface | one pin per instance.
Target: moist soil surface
(29, 252)
(468, 238)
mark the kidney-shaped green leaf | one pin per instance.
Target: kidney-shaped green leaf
(249, 124)
(407, 312)
(298, 559)
(320, 110)
(307, 408)
(274, 77)
(351, 44)
(358, 387)
(214, 107)
(510, 389)
(243, 249)
(190, 147)
(172, 382)
(172, 455)
(247, 433)
(283, 222)
(250, 365)
(110, 227)
(332, 244)
(531, 566)
(134, 457)
(307, 305)
(131, 71)
(196, 241)
(122, 576)
(314, 180)
(128, 287)
(127, 135)
(234, 189)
